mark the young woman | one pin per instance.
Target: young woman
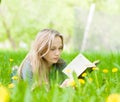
(43, 62)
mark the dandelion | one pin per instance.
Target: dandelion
(68, 70)
(11, 85)
(114, 70)
(81, 81)
(105, 71)
(113, 98)
(72, 83)
(11, 60)
(90, 79)
(15, 77)
(84, 74)
(95, 68)
(4, 94)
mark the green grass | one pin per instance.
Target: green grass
(103, 84)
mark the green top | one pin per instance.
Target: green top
(55, 75)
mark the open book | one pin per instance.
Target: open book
(78, 65)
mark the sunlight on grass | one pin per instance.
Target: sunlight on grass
(101, 81)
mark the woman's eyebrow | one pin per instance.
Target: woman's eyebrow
(56, 46)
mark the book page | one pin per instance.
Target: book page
(78, 65)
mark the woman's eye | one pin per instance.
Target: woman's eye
(60, 48)
(52, 49)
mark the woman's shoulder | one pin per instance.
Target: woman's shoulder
(26, 63)
(26, 68)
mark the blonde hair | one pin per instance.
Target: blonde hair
(39, 49)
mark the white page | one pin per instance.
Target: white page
(78, 65)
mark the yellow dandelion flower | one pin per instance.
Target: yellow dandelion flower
(81, 81)
(90, 79)
(11, 85)
(15, 77)
(72, 83)
(105, 71)
(113, 98)
(114, 70)
(4, 94)
(68, 70)
(11, 60)
(84, 74)
(95, 68)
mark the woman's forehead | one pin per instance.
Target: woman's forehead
(57, 41)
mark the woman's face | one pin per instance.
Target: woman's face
(55, 51)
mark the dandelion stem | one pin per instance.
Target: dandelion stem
(96, 79)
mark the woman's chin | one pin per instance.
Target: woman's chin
(55, 61)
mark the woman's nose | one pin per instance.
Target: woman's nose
(57, 52)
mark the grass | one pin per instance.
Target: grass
(103, 81)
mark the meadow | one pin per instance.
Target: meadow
(100, 85)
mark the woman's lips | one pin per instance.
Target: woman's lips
(56, 58)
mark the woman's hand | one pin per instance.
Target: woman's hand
(66, 83)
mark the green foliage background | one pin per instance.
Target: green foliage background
(25, 18)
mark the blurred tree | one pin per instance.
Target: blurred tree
(30, 16)
(105, 13)
(7, 29)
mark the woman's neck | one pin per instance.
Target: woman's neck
(49, 65)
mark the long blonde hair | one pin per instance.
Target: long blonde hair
(39, 49)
